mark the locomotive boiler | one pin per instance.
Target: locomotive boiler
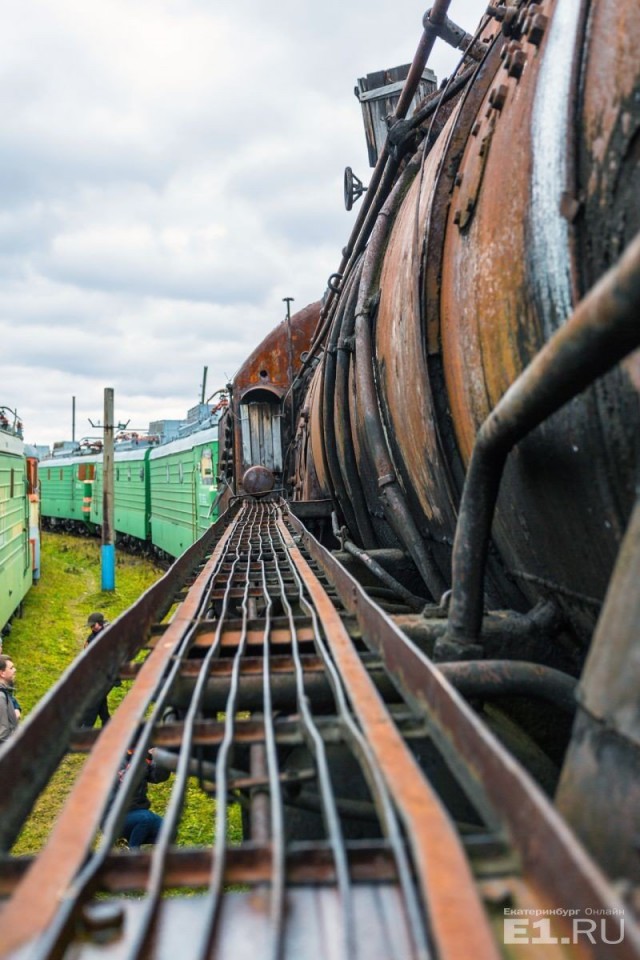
(467, 407)
(409, 646)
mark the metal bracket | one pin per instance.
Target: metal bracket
(452, 34)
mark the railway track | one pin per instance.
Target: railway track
(381, 818)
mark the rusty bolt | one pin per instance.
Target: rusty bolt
(496, 12)
(509, 24)
(517, 64)
(537, 29)
(475, 130)
(510, 50)
(498, 96)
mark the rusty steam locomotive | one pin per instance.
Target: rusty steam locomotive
(464, 401)
(410, 646)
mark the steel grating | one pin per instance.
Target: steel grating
(380, 819)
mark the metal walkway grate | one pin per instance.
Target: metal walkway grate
(279, 685)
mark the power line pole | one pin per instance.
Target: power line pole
(108, 551)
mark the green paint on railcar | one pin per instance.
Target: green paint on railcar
(131, 493)
(183, 490)
(66, 488)
(16, 571)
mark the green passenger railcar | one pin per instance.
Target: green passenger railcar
(16, 563)
(183, 490)
(66, 487)
(131, 494)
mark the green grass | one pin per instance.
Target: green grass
(47, 638)
(53, 627)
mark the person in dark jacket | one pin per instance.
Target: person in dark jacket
(99, 708)
(141, 824)
(9, 707)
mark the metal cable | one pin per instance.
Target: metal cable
(316, 745)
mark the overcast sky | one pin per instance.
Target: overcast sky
(169, 171)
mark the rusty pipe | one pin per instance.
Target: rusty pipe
(342, 421)
(508, 678)
(328, 426)
(433, 21)
(413, 602)
(391, 494)
(602, 330)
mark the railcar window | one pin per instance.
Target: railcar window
(181, 472)
(142, 473)
(206, 470)
(117, 473)
(12, 482)
(48, 473)
(129, 472)
(61, 473)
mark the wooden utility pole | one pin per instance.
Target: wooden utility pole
(108, 552)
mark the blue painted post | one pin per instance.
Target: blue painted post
(108, 566)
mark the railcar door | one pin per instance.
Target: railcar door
(260, 421)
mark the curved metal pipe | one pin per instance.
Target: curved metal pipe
(507, 678)
(346, 502)
(602, 330)
(413, 602)
(342, 412)
(391, 494)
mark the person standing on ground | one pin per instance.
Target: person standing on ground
(9, 715)
(99, 708)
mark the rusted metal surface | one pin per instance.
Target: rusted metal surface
(490, 678)
(474, 272)
(269, 362)
(602, 771)
(401, 359)
(459, 924)
(511, 278)
(602, 331)
(509, 799)
(373, 795)
(370, 425)
(258, 480)
(265, 375)
(338, 803)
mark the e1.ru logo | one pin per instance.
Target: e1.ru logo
(538, 932)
